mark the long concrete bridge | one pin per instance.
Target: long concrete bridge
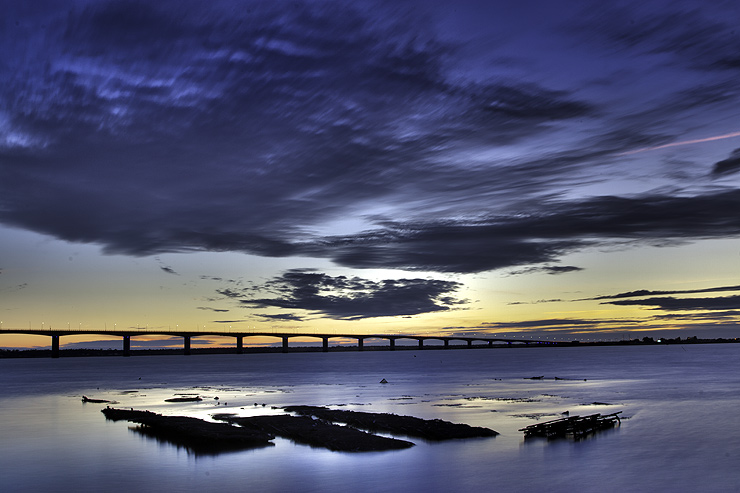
(187, 336)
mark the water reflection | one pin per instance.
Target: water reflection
(196, 448)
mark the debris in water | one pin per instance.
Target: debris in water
(96, 401)
(184, 399)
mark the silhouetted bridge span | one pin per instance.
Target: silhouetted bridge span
(187, 336)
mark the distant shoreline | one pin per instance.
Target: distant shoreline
(83, 352)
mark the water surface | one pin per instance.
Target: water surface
(682, 431)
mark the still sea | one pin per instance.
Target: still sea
(680, 429)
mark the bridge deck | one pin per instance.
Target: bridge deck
(187, 336)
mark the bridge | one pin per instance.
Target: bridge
(239, 336)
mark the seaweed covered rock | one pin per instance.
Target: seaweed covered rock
(304, 429)
(429, 429)
(192, 432)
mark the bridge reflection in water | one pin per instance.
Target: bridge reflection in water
(187, 336)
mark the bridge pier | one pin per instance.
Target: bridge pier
(239, 344)
(447, 344)
(393, 344)
(490, 343)
(470, 342)
(325, 344)
(186, 345)
(127, 345)
(360, 343)
(55, 346)
(421, 343)
(285, 344)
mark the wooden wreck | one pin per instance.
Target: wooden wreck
(576, 427)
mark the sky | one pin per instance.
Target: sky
(549, 170)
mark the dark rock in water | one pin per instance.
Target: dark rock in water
(317, 433)
(183, 399)
(384, 381)
(430, 429)
(193, 433)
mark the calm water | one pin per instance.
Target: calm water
(683, 431)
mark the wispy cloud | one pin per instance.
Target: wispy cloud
(729, 165)
(16, 287)
(211, 309)
(671, 303)
(647, 292)
(282, 317)
(547, 269)
(165, 268)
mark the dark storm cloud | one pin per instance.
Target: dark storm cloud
(444, 247)
(351, 298)
(537, 238)
(701, 38)
(149, 132)
(211, 309)
(671, 303)
(169, 127)
(729, 165)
